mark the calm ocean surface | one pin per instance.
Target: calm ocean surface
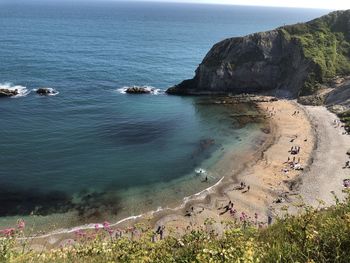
(91, 149)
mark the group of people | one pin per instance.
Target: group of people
(271, 112)
(294, 150)
(347, 164)
(160, 232)
(293, 164)
(191, 212)
(228, 207)
(336, 123)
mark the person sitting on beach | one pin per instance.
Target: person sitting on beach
(227, 208)
(287, 160)
(285, 170)
(188, 213)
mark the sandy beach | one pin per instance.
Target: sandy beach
(304, 154)
(264, 174)
(268, 178)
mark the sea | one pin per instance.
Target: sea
(90, 152)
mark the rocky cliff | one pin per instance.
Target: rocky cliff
(292, 60)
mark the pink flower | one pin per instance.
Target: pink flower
(8, 232)
(97, 227)
(106, 225)
(79, 233)
(21, 224)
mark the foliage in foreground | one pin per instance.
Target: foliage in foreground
(314, 236)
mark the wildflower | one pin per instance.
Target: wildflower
(106, 225)
(8, 232)
(97, 227)
(21, 224)
(80, 233)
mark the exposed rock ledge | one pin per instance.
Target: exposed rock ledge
(8, 92)
(292, 60)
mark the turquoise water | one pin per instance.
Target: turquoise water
(92, 150)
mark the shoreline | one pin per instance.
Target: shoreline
(206, 203)
(273, 183)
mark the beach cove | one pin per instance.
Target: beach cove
(271, 180)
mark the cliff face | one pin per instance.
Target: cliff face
(292, 59)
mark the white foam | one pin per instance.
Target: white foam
(196, 196)
(152, 90)
(200, 171)
(22, 91)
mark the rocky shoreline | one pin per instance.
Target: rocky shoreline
(288, 61)
(8, 92)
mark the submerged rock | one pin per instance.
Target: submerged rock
(8, 92)
(138, 90)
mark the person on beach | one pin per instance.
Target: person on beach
(269, 220)
(227, 208)
(287, 160)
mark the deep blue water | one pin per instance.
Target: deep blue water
(91, 139)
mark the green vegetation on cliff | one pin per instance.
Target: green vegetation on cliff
(313, 236)
(325, 41)
(295, 60)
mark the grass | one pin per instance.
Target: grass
(313, 236)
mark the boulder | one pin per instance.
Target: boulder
(45, 91)
(138, 90)
(8, 92)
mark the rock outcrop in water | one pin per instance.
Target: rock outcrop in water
(138, 90)
(8, 92)
(45, 91)
(292, 60)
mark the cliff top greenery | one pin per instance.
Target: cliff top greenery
(326, 42)
(313, 236)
